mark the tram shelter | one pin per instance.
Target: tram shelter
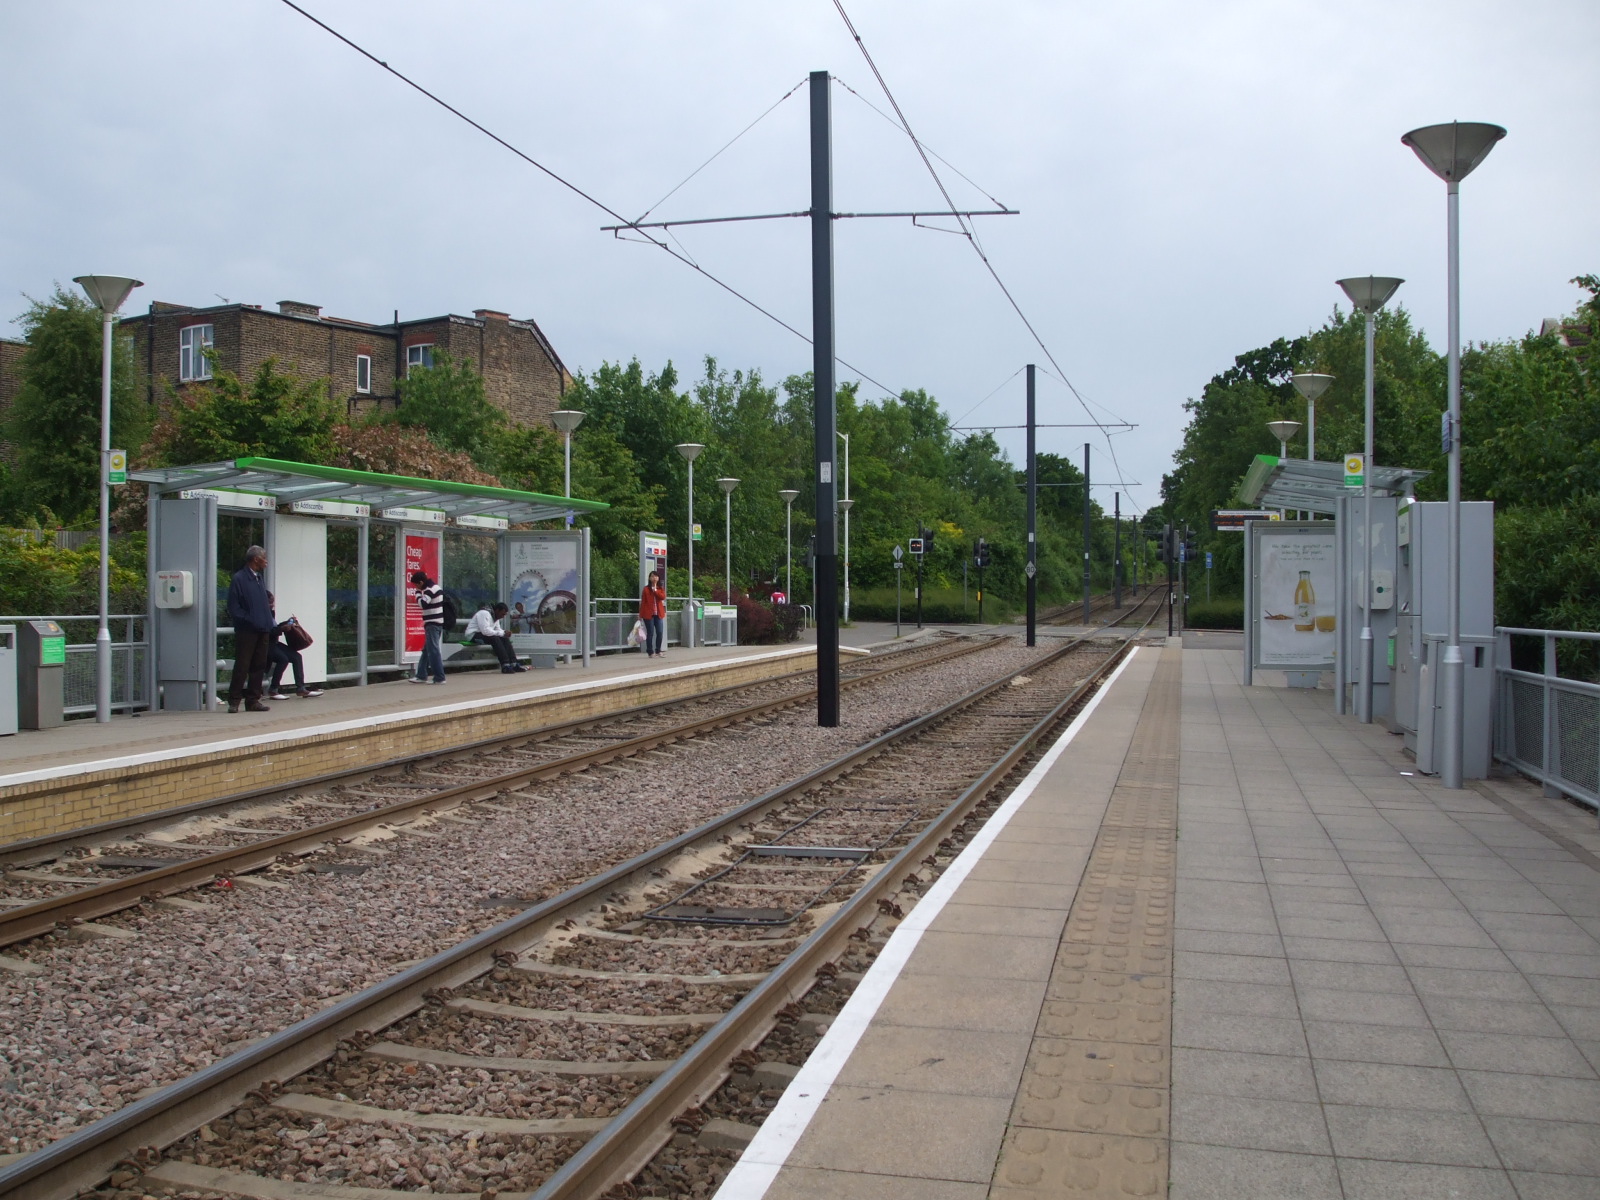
(341, 547)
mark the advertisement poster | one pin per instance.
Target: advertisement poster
(652, 556)
(420, 553)
(1294, 599)
(543, 570)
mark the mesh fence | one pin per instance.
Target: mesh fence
(1578, 739)
(1526, 726)
(127, 678)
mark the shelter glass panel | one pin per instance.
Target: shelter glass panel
(380, 594)
(236, 533)
(343, 596)
(471, 570)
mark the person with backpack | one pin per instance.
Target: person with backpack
(430, 598)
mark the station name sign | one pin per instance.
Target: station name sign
(254, 501)
(1232, 520)
(417, 516)
(331, 508)
(473, 521)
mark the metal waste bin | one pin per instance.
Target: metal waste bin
(8, 679)
(41, 674)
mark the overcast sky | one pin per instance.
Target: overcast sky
(1192, 176)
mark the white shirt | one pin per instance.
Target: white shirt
(483, 623)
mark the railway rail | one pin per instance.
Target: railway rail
(369, 797)
(776, 889)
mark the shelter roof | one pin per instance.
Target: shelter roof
(1295, 483)
(291, 481)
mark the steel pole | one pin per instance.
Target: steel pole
(1086, 533)
(1364, 693)
(688, 619)
(102, 637)
(846, 438)
(569, 465)
(825, 429)
(1454, 665)
(788, 551)
(727, 546)
(1116, 554)
(1033, 518)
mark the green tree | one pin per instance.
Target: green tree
(275, 415)
(447, 400)
(55, 418)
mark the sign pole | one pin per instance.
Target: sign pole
(1033, 524)
(1086, 533)
(826, 572)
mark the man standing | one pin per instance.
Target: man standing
(251, 614)
(430, 598)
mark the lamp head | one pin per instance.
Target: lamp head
(1453, 151)
(566, 419)
(845, 504)
(789, 495)
(689, 450)
(1284, 430)
(107, 291)
(1369, 293)
(1311, 385)
(727, 484)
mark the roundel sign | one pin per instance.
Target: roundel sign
(1354, 470)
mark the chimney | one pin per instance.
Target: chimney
(489, 314)
(293, 308)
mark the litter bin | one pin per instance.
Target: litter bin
(41, 674)
(8, 679)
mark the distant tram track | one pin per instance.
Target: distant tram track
(390, 794)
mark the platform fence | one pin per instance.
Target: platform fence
(611, 619)
(1547, 726)
(130, 648)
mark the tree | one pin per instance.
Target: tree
(447, 400)
(55, 418)
(277, 415)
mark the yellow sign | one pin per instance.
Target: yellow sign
(116, 466)
(1355, 470)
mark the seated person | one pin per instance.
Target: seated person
(282, 656)
(485, 630)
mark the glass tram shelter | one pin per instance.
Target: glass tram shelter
(341, 547)
(1305, 596)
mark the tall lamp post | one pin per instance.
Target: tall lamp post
(727, 485)
(845, 506)
(566, 420)
(690, 451)
(1452, 152)
(108, 292)
(789, 495)
(1311, 385)
(1368, 293)
(1283, 431)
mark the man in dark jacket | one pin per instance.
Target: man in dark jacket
(251, 614)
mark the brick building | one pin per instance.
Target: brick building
(522, 373)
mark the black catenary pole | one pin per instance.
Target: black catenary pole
(1116, 554)
(1171, 553)
(826, 573)
(923, 539)
(1033, 519)
(1086, 533)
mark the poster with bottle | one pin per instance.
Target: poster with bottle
(543, 570)
(1294, 598)
(419, 552)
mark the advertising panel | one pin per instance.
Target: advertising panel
(418, 552)
(545, 575)
(1293, 595)
(652, 556)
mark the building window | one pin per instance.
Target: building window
(419, 356)
(193, 342)
(363, 372)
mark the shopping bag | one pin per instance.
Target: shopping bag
(296, 636)
(636, 635)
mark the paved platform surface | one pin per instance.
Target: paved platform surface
(86, 742)
(1244, 954)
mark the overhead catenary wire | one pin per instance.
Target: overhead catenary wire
(682, 257)
(922, 153)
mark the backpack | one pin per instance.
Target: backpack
(450, 615)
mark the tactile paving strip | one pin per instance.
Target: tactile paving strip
(1091, 1116)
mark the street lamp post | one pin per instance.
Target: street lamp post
(566, 420)
(789, 495)
(1311, 385)
(108, 292)
(844, 506)
(1452, 152)
(690, 451)
(1283, 431)
(1368, 293)
(727, 485)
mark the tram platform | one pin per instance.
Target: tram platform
(1221, 944)
(83, 774)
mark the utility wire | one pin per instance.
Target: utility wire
(574, 188)
(977, 248)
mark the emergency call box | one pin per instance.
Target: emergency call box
(174, 589)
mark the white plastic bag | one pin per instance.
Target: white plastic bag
(636, 634)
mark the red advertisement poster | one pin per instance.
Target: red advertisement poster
(422, 554)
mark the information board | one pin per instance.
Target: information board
(1291, 598)
(545, 574)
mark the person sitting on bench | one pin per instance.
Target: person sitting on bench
(485, 630)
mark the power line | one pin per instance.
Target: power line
(575, 189)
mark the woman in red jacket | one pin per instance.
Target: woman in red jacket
(653, 612)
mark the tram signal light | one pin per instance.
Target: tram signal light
(980, 553)
(915, 546)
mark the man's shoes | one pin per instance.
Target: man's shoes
(233, 706)
(414, 679)
(276, 695)
(507, 669)
(307, 693)
(256, 706)
(518, 667)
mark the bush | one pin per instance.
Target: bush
(38, 579)
(762, 623)
(940, 605)
(1215, 614)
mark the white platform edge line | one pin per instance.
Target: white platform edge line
(769, 1150)
(41, 774)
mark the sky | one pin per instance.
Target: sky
(1191, 178)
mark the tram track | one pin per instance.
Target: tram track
(532, 946)
(554, 750)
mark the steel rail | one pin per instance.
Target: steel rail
(638, 1133)
(98, 900)
(84, 1157)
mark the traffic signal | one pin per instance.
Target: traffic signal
(980, 553)
(811, 557)
(1191, 549)
(927, 540)
(914, 545)
(1169, 549)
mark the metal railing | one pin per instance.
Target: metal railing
(611, 619)
(129, 679)
(1545, 726)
